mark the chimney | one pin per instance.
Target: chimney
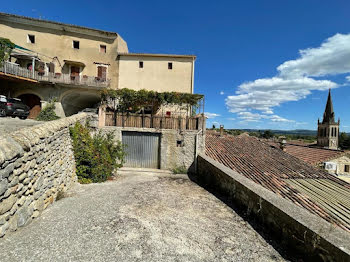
(283, 145)
(221, 130)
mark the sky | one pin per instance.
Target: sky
(263, 64)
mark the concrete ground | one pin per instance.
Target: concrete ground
(9, 124)
(153, 216)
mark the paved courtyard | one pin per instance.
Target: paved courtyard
(9, 124)
(138, 217)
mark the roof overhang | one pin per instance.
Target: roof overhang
(156, 55)
(75, 63)
(57, 26)
(23, 53)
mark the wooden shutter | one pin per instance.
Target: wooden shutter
(102, 72)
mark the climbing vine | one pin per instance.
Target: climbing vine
(131, 100)
(6, 47)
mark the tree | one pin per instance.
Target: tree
(6, 47)
(344, 141)
(267, 134)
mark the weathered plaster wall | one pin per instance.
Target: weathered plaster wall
(155, 74)
(52, 42)
(171, 155)
(36, 163)
(299, 231)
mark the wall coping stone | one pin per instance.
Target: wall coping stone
(332, 234)
(16, 143)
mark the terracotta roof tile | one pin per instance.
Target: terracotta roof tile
(272, 168)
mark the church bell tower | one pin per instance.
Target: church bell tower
(328, 129)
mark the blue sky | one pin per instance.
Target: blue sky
(249, 63)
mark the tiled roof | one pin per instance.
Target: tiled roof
(276, 170)
(41, 21)
(311, 154)
(157, 55)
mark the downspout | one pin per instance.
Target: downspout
(33, 67)
(196, 151)
(192, 79)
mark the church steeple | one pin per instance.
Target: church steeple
(328, 130)
(328, 115)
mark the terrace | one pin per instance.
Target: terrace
(13, 70)
(147, 109)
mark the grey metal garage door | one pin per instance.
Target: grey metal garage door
(142, 149)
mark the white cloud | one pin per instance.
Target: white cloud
(211, 115)
(267, 93)
(222, 92)
(256, 117)
(331, 58)
(293, 82)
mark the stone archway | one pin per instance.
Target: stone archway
(74, 101)
(34, 103)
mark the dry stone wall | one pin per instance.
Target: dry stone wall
(36, 164)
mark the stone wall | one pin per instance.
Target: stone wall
(171, 153)
(36, 163)
(297, 230)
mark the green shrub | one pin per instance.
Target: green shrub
(96, 156)
(179, 170)
(48, 113)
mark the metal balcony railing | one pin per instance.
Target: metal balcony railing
(14, 69)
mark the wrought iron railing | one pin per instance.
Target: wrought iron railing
(14, 69)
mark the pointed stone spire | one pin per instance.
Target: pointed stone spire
(328, 115)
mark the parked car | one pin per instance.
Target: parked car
(13, 107)
(3, 102)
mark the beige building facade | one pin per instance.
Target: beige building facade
(72, 64)
(161, 73)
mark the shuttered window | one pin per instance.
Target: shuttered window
(102, 72)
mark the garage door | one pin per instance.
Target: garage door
(142, 149)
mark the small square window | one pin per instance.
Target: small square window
(179, 143)
(141, 64)
(31, 39)
(76, 45)
(170, 66)
(103, 49)
(346, 168)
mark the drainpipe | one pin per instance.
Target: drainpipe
(33, 67)
(192, 80)
(196, 151)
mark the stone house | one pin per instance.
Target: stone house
(73, 64)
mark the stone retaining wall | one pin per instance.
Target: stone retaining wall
(36, 164)
(297, 230)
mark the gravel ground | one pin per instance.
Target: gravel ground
(138, 217)
(9, 124)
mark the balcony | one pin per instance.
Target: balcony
(179, 122)
(12, 69)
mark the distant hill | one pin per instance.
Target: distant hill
(303, 132)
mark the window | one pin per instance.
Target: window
(102, 73)
(346, 168)
(170, 66)
(31, 39)
(103, 49)
(141, 64)
(76, 44)
(179, 143)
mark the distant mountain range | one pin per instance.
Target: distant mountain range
(303, 132)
